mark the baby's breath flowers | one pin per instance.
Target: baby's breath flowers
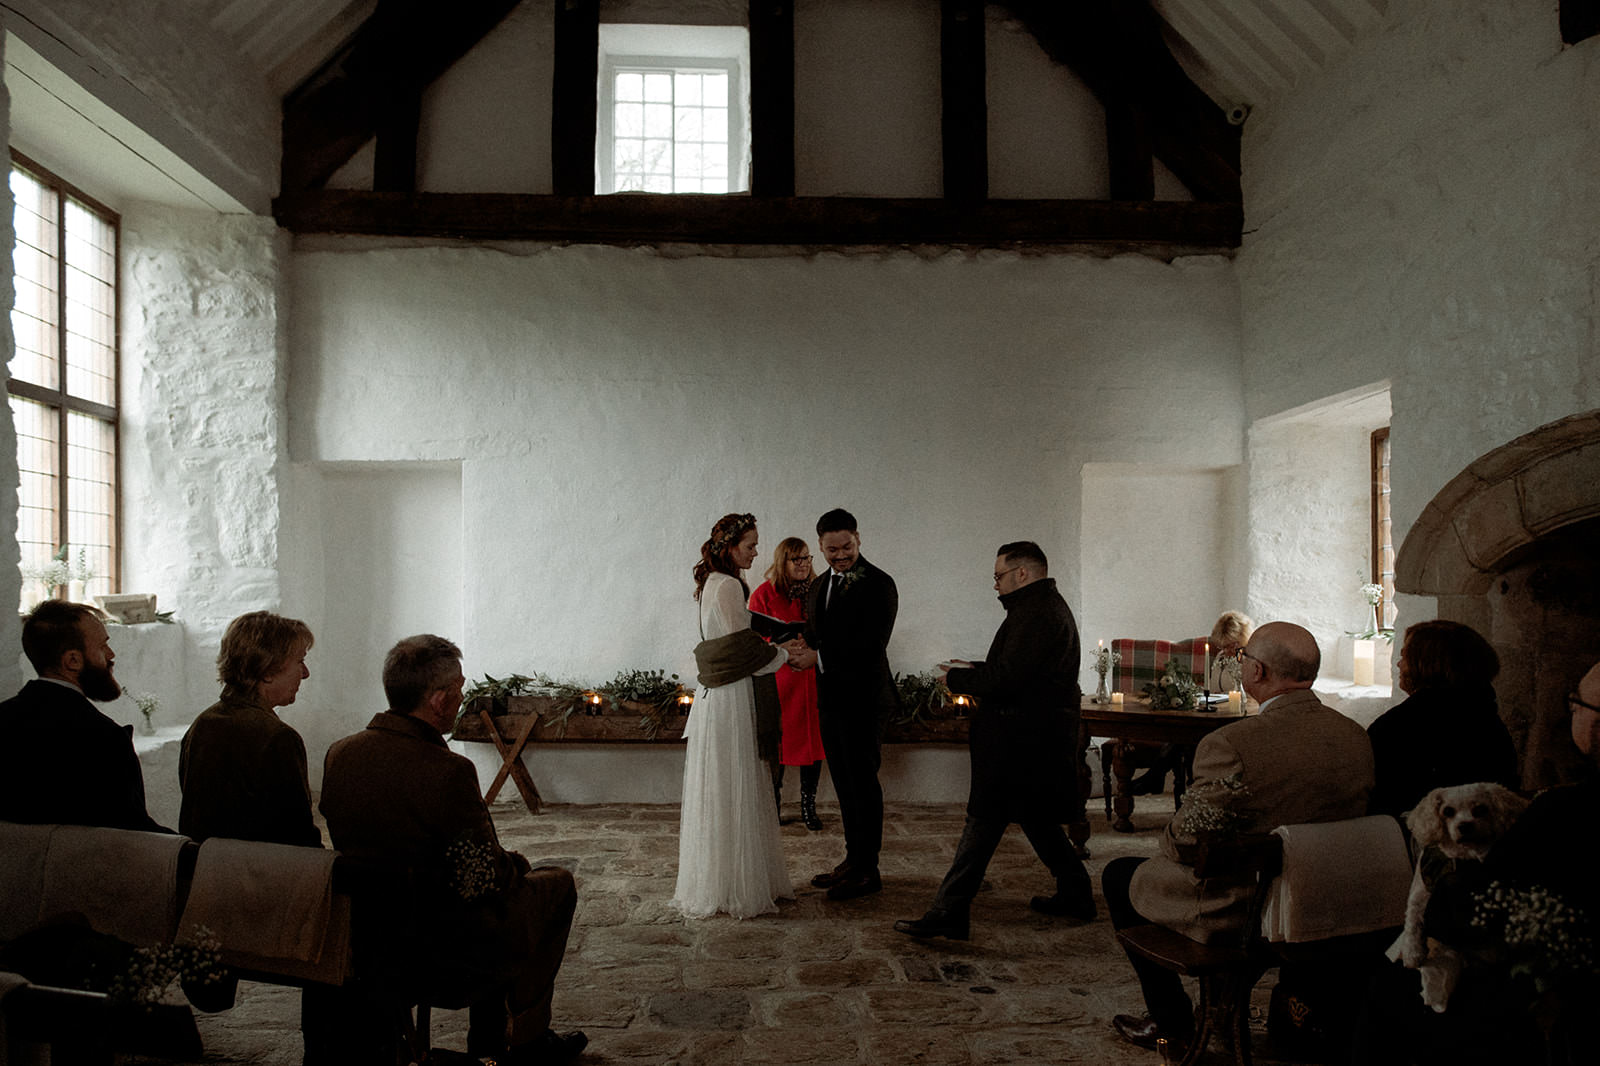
(1543, 937)
(1217, 807)
(473, 870)
(151, 972)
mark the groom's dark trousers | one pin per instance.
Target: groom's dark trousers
(855, 697)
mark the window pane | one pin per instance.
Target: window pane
(687, 89)
(658, 120)
(658, 183)
(630, 86)
(629, 120)
(715, 125)
(37, 457)
(91, 494)
(35, 311)
(715, 90)
(91, 306)
(688, 124)
(658, 88)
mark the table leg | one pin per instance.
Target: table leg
(1122, 802)
(511, 762)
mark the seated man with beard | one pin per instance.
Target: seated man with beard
(62, 760)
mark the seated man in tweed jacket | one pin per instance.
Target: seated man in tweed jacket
(1297, 761)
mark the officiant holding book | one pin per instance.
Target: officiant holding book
(778, 612)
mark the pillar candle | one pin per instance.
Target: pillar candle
(1116, 699)
(1235, 701)
(1364, 652)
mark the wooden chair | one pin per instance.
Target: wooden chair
(1142, 662)
(1226, 971)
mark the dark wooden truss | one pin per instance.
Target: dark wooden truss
(373, 89)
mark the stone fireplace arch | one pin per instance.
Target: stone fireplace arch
(1507, 547)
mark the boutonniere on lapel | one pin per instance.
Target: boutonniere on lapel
(850, 577)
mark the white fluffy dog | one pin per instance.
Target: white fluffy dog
(1450, 824)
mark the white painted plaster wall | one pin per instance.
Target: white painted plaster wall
(1162, 550)
(169, 73)
(1424, 212)
(866, 98)
(486, 121)
(1047, 132)
(607, 405)
(1310, 533)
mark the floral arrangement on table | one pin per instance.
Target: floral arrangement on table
(1540, 936)
(1105, 660)
(1216, 808)
(60, 571)
(922, 696)
(1174, 689)
(1373, 594)
(662, 695)
(150, 973)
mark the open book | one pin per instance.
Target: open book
(775, 629)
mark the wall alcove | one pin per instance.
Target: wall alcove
(1507, 547)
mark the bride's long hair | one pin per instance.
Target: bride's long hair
(715, 552)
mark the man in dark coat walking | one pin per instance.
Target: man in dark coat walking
(1024, 739)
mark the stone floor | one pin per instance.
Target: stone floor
(819, 982)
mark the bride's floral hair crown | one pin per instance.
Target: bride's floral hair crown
(730, 529)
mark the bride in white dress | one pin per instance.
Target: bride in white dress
(730, 858)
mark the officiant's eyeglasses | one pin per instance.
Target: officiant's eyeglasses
(1573, 703)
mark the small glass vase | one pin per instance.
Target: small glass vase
(1100, 694)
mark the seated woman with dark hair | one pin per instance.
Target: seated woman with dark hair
(1448, 731)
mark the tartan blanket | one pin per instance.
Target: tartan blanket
(1144, 660)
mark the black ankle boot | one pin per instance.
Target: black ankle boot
(808, 811)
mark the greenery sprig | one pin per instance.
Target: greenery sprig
(922, 696)
(658, 691)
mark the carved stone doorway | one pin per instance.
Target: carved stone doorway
(1509, 547)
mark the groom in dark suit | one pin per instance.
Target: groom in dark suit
(62, 760)
(850, 615)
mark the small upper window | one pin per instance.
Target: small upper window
(673, 109)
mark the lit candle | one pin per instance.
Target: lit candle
(1116, 699)
(1235, 701)
(1364, 653)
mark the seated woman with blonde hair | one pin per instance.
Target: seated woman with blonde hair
(242, 769)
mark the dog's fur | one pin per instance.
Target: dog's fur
(1460, 822)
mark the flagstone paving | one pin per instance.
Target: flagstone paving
(819, 982)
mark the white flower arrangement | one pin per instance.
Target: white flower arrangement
(1216, 807)
(1105, 659)
(473, 870)
(1373, 594)
(151, 972)
(1543, 937)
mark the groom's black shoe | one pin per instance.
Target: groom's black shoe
(1061, 906)
(832, 877)
(854, 885)
(949, 926)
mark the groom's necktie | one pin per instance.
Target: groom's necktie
(833, 586)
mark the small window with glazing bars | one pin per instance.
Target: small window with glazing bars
(63, 386)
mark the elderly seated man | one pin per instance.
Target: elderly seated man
(1296, 761)
(496, 929)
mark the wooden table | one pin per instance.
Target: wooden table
(1134, 722)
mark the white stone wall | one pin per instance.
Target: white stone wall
(10, 556)
(202, 390)
(1424, 212)
(607, 405)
